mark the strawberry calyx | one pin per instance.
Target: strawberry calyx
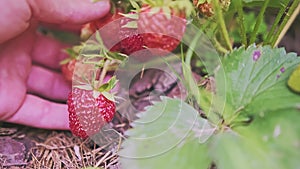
(72, 52)
(182, 8)
(104, 88)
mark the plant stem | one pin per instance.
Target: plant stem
(191, 49)
(218, 46)
(241, 22)
(221, 21)
(212, 30)
(275, 24)
(103, 73)
(287, 22)
(258, 21)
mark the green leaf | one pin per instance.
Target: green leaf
(154, 10)
(256, 81)
(279, 133)
(117, 56)
(65, 61)
(167, 12)
(231, 151)
(103, 87)
(108, 85)
(134, 4)
(168, 134)
(84, 87)
(256, 94)
(109, 96)
(294, 80)
(71, 52)
(272, 141)
(131, 24)
(276, 4)
(133, 16)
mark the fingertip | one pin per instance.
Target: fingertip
(40, 113)
(88, 11)
(69, 11)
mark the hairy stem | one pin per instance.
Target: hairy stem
(218, 46)
(241, 22)
(287, 22)
(275, 24)
(258, 21)
(103, 73)
(221, 22)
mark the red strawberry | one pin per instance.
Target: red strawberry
(162, 29)
(131, 40)
(88, 113)
(67, 69)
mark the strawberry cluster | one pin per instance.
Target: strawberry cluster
(156, 24)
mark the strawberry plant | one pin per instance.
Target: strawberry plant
(249, 118)
(241, 100)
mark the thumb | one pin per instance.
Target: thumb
(16, 16)
(68, 11)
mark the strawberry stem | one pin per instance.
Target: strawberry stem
(222, 24)
(218, 46)
(276, 22)
(103, 73)
(258, 21)
(241, 22)
(286, 23)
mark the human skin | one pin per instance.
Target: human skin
(30, 83)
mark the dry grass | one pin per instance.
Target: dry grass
(62, 151)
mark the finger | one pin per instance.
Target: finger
(20, 13)
(48, 52)
(48, 84)
(14, 19)
(68, 11)
(40, 113)
(15, 66)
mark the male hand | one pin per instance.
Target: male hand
(29, 79)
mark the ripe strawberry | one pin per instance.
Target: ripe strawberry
(163, 29)
(67, 69)
(130, 40)
(88, 113)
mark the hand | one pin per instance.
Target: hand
(29, 61)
